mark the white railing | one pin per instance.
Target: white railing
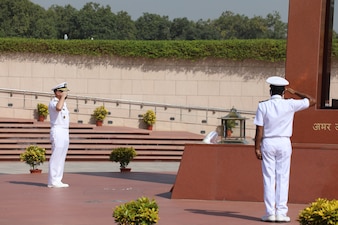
(122, 112)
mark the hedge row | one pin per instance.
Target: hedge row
(266, 50)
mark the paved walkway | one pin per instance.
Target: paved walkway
(97, 187)
(101, 166)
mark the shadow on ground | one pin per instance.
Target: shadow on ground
(28, 183)
(223, 213)
(163, 178)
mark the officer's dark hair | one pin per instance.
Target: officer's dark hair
(277, 90)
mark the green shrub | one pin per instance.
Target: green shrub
(139, 212)
(320, 212)
(270, 50)
(42, 109)
(231, 124)
(100, 113)
(33, 156)
(149, 117)
(123, 155)
(258, 49)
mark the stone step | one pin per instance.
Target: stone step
(88, 142)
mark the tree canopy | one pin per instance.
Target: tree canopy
(22, 18)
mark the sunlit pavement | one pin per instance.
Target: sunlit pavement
(97, 187)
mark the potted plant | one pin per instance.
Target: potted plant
(230, 125)
(149, 118)
(100, 114)
(34, 156)
(42, 111)
(123, 155)
(141, 211)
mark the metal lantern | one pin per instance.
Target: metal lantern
(233, 127)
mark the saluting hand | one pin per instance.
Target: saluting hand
(64, 94)
(290, 90)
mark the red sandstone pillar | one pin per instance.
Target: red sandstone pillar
(304, 70)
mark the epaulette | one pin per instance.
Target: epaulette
(264, 100)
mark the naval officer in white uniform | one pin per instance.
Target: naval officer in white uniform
(274, 120)
(59, 135)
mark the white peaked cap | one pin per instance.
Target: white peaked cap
(277, 81)
(61, 87)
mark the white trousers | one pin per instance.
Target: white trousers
(276, 154)
(60, 142)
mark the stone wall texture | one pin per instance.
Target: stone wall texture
(194, 94)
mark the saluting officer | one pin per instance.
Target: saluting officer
(274, 120)
(59, 135)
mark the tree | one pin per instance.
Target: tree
(230, 25)
(256, 28)
(22, 18)
(276, 28)
(152, 27)
(205, 30)
(65, 20)
(125, 27)
(96, 22)
(183, 29)
(18, 18)
(235, 26)
(42, 24)
(13, 19)
(44, 28)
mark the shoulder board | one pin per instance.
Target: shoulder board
(264, 100)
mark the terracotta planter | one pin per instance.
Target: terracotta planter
(41, 118)
(125, 170)
(99, 123)
(36, 171)
(150, 127)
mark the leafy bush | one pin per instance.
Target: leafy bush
(258, 49)
(139, 212)
(33, 156)
(100, 113)
(149, 117)
(42, 109)
(231, 124)
(271, 50)
(320, 212)
(123, 155)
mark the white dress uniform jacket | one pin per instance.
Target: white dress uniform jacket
(59, 137)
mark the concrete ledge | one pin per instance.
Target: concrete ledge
(232, 172)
